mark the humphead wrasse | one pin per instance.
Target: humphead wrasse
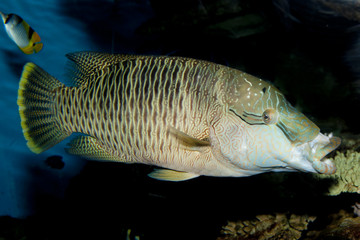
(189, 116)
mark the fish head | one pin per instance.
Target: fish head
(10, 20)
(272, 135)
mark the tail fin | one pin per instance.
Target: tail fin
(36, 97)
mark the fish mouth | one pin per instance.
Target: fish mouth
(317, 150)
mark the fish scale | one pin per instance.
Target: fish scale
(149, 105)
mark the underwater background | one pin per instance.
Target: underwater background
(309, 49)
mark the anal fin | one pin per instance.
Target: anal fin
(91, 148)
(171, 175)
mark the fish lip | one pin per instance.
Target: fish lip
(318, 148)
(311, 156)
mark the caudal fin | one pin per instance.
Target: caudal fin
(36, 96)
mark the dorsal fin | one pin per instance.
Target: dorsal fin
(85, 64)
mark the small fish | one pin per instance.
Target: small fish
(55, 162)
(188, 116)
(21, 33)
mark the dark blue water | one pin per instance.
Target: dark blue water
(62, 28)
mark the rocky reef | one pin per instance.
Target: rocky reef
(278, 226)
(343, 226)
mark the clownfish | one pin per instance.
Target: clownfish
(21, 33)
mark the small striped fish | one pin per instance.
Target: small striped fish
(21, 33)
(188, 116)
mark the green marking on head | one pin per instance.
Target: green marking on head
(259, 103)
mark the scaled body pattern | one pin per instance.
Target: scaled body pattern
(191, 116)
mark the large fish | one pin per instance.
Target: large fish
(21, 33)
(189, 116)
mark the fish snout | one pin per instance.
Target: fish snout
(320, 147)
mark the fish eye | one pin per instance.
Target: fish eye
(270, 116)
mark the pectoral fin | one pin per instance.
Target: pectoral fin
(171, 175)
(91, 148)
(189, 142)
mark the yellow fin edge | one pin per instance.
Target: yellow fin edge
(171, 175)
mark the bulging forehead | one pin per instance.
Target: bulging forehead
(253, 94)
(248, 97)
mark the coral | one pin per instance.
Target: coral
(347, 176)
(342, 226)
(280, 226)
